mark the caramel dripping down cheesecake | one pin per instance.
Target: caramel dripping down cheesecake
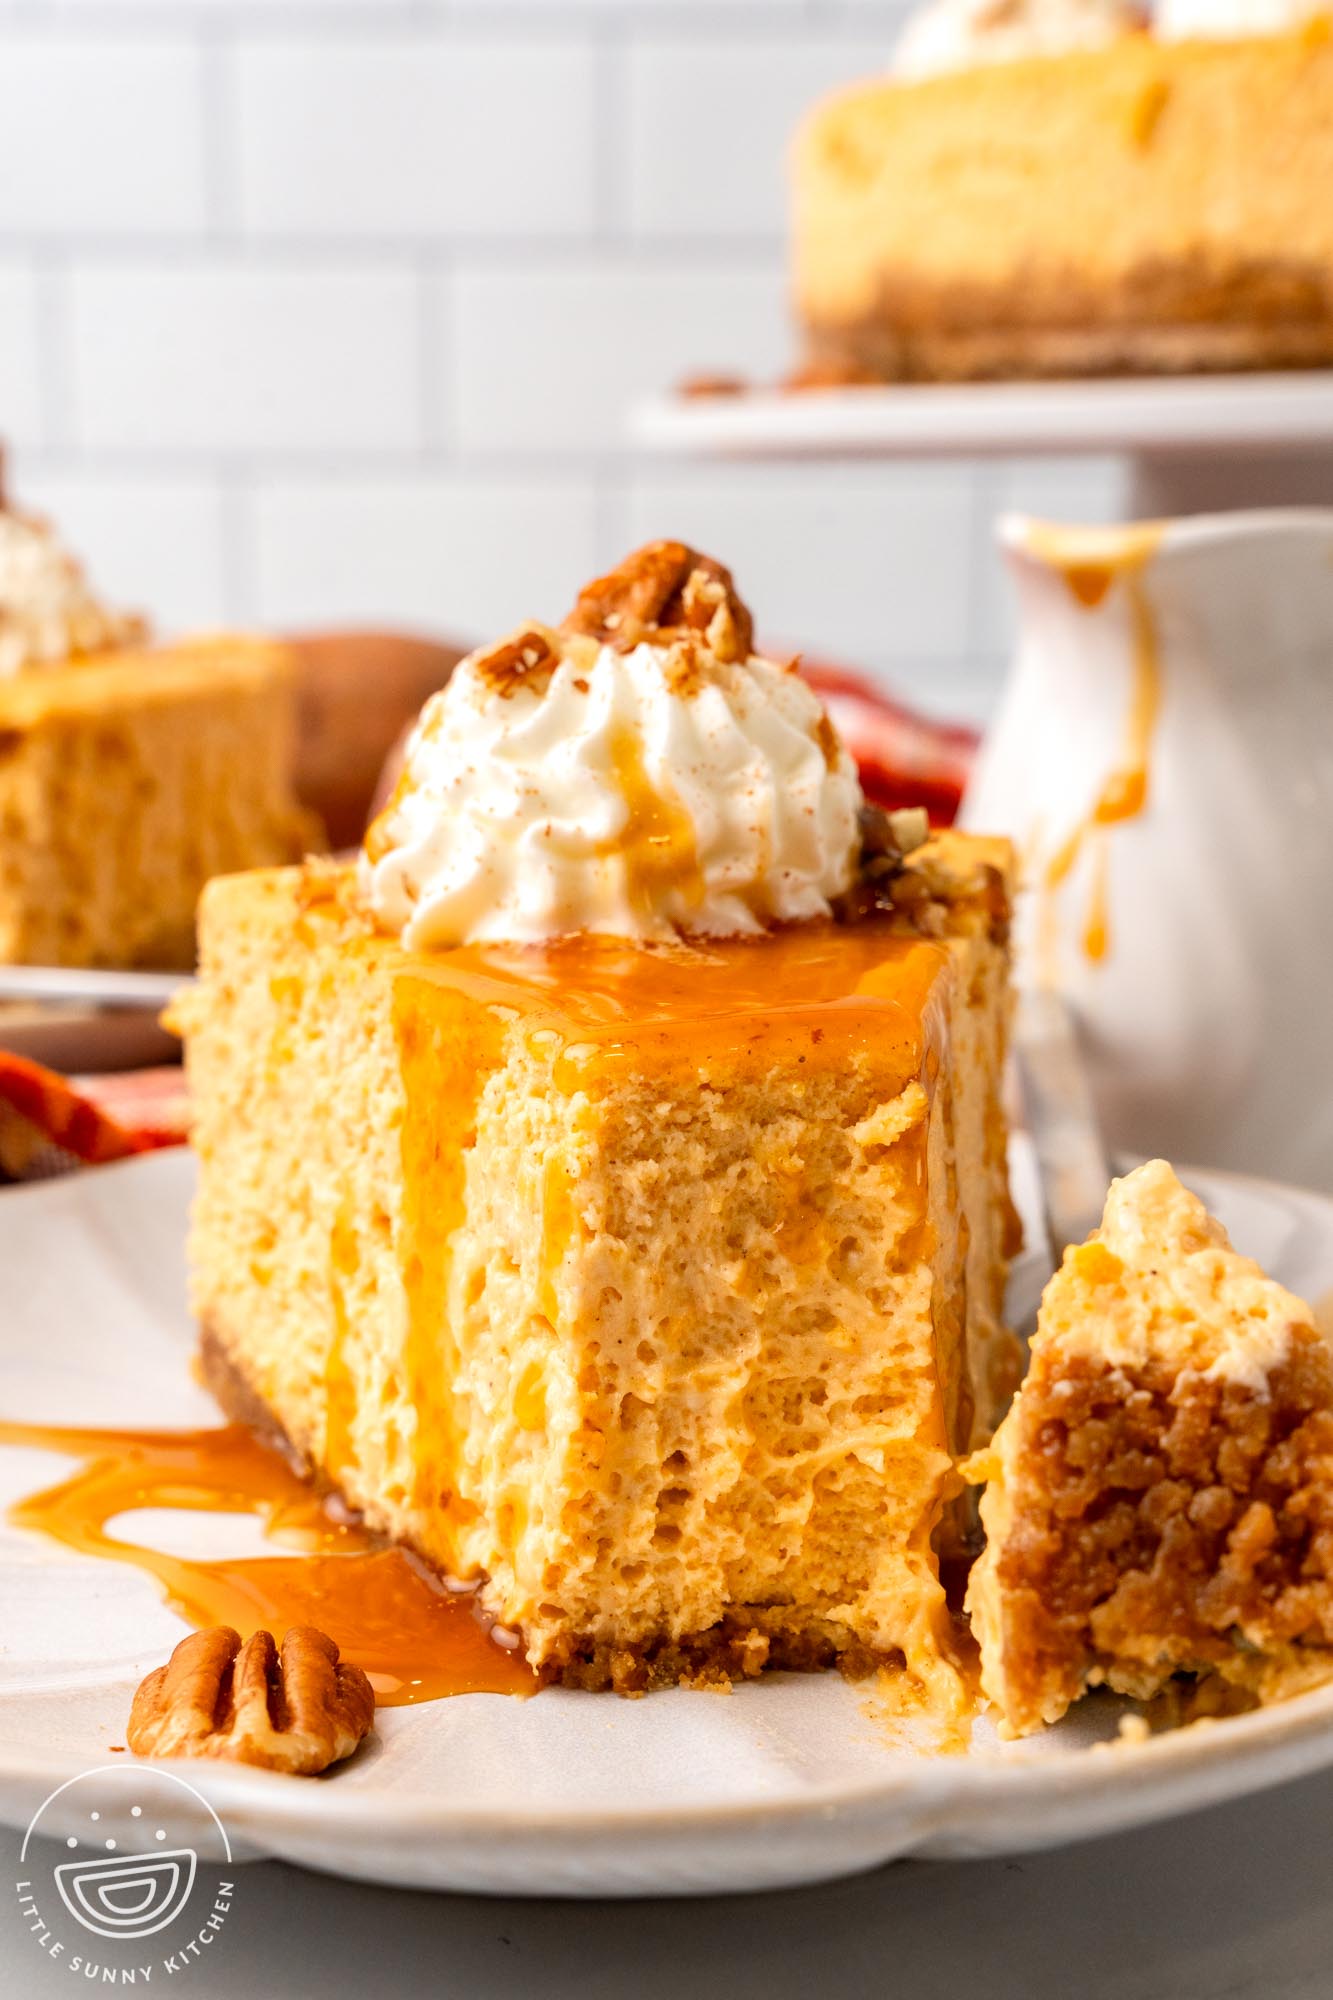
(1160, 1495)
(602, 1186)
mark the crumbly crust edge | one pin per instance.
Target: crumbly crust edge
(885, 348)
(742, 1646)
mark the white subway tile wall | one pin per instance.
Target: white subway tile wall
(462, 552)
(320, 311)
(548, 355)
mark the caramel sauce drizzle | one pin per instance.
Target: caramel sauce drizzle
(656, 843)
(416, 1641)
(1091, 561)
(1096, 929)
(813, 993)
(446, 1050)
(339, 1381)
(600, 996)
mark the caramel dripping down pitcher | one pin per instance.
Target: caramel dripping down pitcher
(1163, 758)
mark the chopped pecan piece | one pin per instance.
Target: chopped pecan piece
(299, 1711)
(527, 659)
(712, 385)
(665, 590)
(887, 839)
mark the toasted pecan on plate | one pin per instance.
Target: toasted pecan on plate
(298, 1711)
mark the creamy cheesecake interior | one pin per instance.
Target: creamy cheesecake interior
(657, 1288)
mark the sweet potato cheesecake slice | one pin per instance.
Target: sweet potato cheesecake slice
(644, 1267)
(1160, 1495)
(129, 773)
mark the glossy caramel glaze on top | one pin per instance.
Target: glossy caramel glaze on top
(826, 985)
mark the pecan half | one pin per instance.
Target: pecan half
(664, 591)
(298, 1711)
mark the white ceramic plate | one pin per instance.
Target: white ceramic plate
(792, 1779)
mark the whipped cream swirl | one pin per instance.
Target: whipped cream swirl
(48, 614)
(966, 34)
(629, 781)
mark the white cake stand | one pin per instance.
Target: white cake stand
(1196, 444)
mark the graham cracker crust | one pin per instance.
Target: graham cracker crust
(747, 1643)
(1170, 317)
(888, 353)
(242, 1403)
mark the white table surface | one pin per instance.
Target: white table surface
(1233, 1904)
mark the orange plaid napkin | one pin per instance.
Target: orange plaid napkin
(50, 1124)
(905, 759)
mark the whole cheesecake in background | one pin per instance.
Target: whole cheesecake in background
(1045, 188)
(602, 1184)
(129, 773)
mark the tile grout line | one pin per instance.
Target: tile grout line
(236, 487)
(419, 19)
(221, 191)
(755, 253)
(437, 356)
(611, 150)
(54, 375)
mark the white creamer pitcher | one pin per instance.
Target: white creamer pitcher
(1163, 758)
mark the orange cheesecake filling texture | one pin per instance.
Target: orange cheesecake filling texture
(810, 995)
(816, 994)
(415, 1642)
(824, 988)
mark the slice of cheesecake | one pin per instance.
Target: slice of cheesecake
(646, 1271)
(657, 1289)
(1159, 1499)
(126, 781)
(1144, 206)
(129, 773)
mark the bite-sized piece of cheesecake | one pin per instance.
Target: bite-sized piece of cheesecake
(603, 1188)
(1040, 192)
(129, 774)
(1159, 1499)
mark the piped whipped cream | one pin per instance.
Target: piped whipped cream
(966, 34)
(641, 773)
(1234, 20)
(1162, 1233)
(48, 613)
